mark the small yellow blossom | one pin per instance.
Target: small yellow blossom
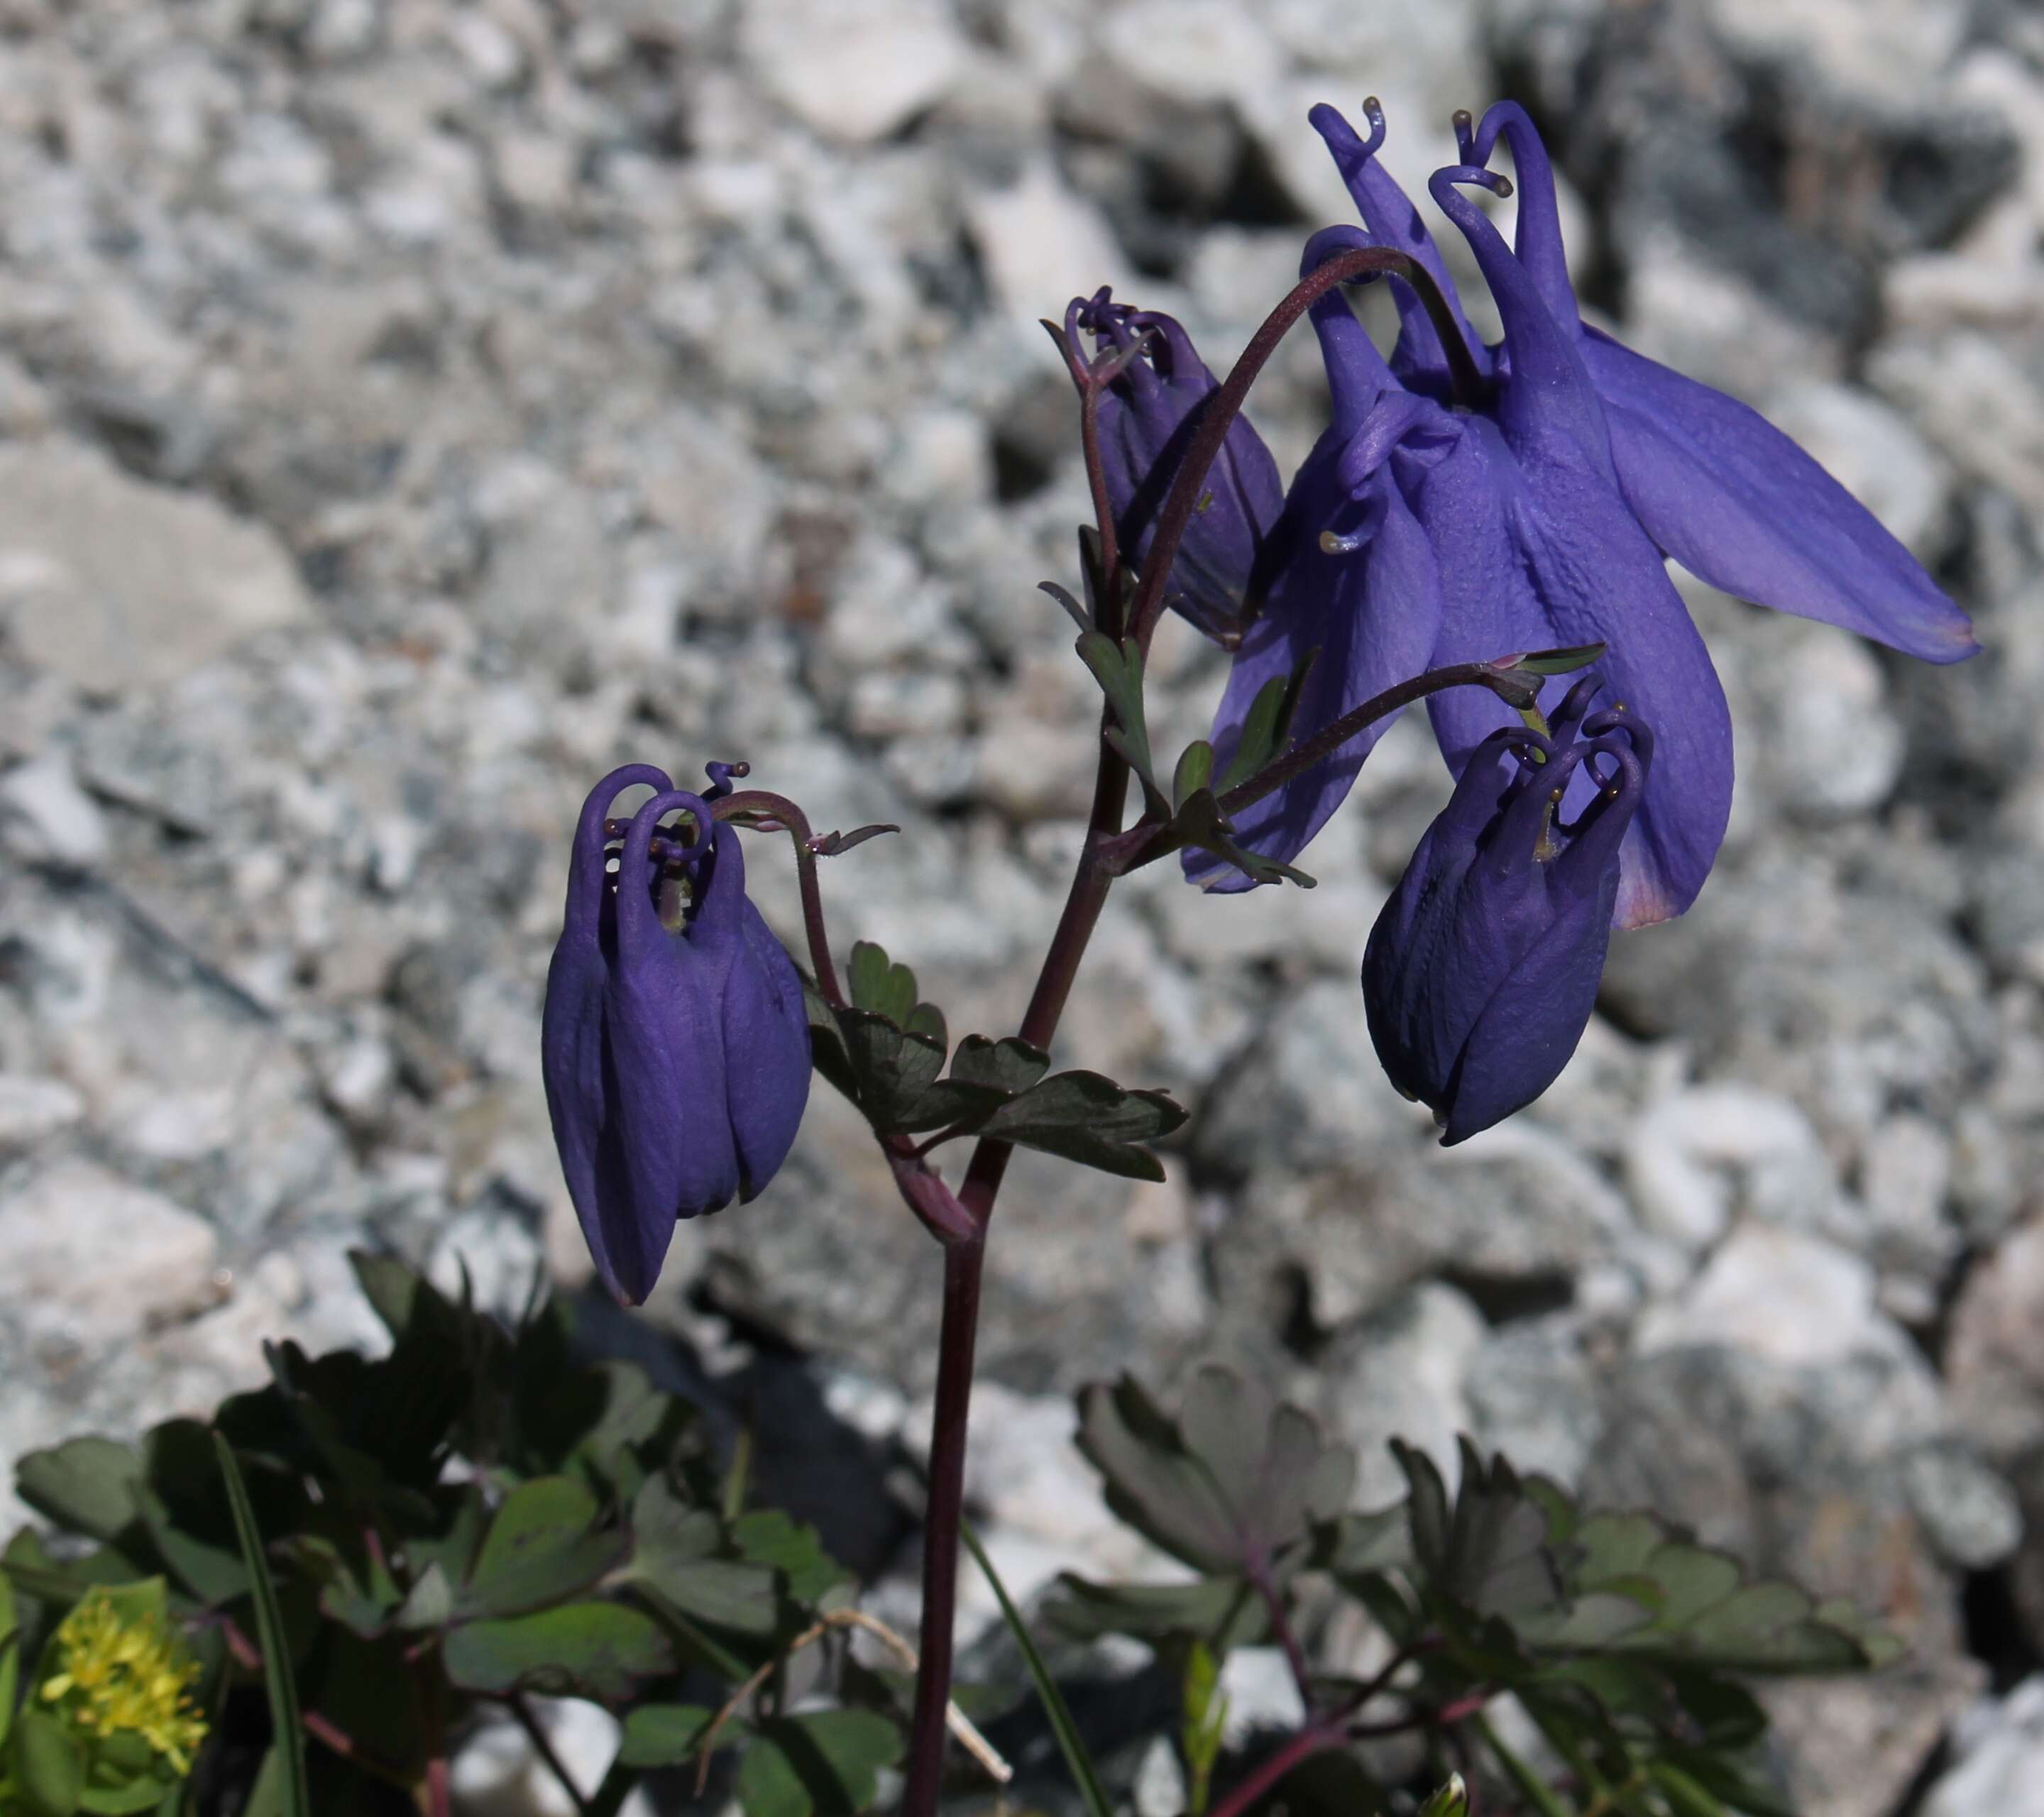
(117, 1673)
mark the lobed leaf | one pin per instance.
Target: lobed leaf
(592, 1650)
(543, 1546)
(824, 1763)
(1234, 1482)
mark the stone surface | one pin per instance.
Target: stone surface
(2000, 1759)
(114, 584)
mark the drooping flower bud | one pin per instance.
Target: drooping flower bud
(1481, 972)
(1149, 414)
(674, 1045)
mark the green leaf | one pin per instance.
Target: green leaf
(1007, 1065)
(1195, 772)
(826, 1763)
(10, 1655)
(662, 1734)
(277, 1682)
(1079, 1762)
(87, 1485)
(430, 1602)
(676, 1549)
(592, 1650)
(1450, 1800)
(364, 1606)
(1085, 1118)
(48, 1764)
(1223, 1611)
(391, 1288)
(880, 985)
(768, 1536)
(1560, 661)
(892, 1070)
(1265, 728)
(1203, 1720)
(1118, 668)
(543, 1546)
(828, 1052)
(1236, 1479)
(1200, 823)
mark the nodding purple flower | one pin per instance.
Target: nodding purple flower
(675, 1043)
(1481, 972)
(1527, 502)
(1148, 413)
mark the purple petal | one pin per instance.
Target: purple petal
(765, 1026)
(1527, 1031)
(1356, 374)
(1393, 221)
(1547, 393)
(1547, 553)
(1373, 613)
(572, 1048)
(1741, 506)
(1538, 238)
(671, 1154)
(1148, 416)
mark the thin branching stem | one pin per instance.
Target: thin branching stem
(787, 816)
(1225, 405)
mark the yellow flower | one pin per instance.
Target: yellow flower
(118, 1673)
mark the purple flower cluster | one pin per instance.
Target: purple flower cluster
(1467, 500)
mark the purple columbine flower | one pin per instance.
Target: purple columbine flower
(1481, 972)
(1148, 413)
(1470, 500)
(674, 1044)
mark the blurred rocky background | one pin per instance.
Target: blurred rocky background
(409, 408)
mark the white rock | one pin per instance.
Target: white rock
(497, 1772)
(895, 703)
(1906, 1172)
(1193, 50)
(1878, 51)
(92, 1255)
(47, 814)
(1261, 1692)
(1042, 245)
(501, 1257)
(2000, 1765)
(1831, 746)
(1159, 1786)
(1978, 403)
(883, 607)
(853, 69)
(1404, 1380)
(128, 585)
(34, 1109)
(1780, 1294)
(1682, 1157)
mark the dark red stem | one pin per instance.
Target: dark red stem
(1266, 1586)
(796, 822)
(1243, 1795)
(957, 1338)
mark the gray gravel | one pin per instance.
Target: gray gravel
(409, 410)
